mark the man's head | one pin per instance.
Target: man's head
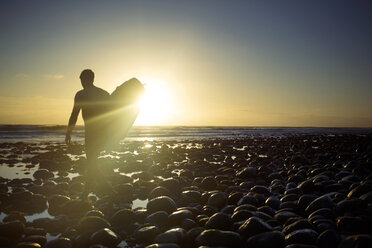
(87, 78)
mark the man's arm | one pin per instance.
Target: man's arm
(73, 119)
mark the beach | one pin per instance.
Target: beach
(284, 191)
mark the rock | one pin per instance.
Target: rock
(267, 240)
(125, 189)
(357, 241)
(259, 189)
(273, 202)
(75, 207)
(12, 230)
(254, 226)
(187, 224)
(105, 237)
(208, 183)
(168, 245)
(241, 215)
(146, 234)
(177, 217)
(159, 218)
(159, 191)
(348, 206)
(360, 190)
(217, 200)
(123, 217)
(219, 221)
(175, 235)
(283, 216)
(91, 224)
(41, 240)
(162, 203)
(60, 242)
(43, 174)
(320, 202)
(302, 236)
(55, 202)
(329, 239)
(214, 237)
(248, 199)
(27, 245)
(247, 173)
(352, 225)
(325, 212)
(297, 225)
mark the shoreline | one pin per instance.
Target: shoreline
(298, 189)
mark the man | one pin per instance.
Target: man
(93, 102)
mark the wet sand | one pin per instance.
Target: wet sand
(313, 190)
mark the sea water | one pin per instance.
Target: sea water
(43, 133)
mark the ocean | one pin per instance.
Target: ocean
(47, 133)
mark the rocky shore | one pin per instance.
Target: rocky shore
(299, 191)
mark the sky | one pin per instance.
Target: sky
(210, 62)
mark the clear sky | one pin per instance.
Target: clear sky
(243, 63)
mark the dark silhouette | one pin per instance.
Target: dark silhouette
(107, 119)
(93, 102)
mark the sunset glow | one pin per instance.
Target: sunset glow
(156, 105)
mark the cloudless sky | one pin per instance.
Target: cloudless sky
(244, 63)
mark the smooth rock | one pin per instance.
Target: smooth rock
(254, 226)
(267, 240)
(213, 237)
(161, 203)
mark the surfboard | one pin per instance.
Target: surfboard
(123, 109)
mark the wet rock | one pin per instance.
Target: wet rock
(353, 225)
(302, 236)
(28, 245)
(105, 237)
(360, 190)
(159, 218)
(12, 230)
(55, 202)
(60, 242)
(162, 203)
(273, 202)
(359, 241)
(254, 226)
(241, 215)
(219, 221)
(214, 237)
(91, 224)
(208, 183)
(175, 235)
(248, 199)
(297, 225)
(177, 217)
(75, 207)
(187, 224)
(348, 206)
(43, 174)
(15, 216)
(325, 212)
(146, 234)
(217, 200)
(123, 217)
(283, 216)
(329, 239)
(247, 173)
(320, 202)
(41, 240)
(267, 240)
(168, 245)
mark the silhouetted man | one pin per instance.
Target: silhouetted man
(93, 104)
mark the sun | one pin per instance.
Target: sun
(156, 105)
